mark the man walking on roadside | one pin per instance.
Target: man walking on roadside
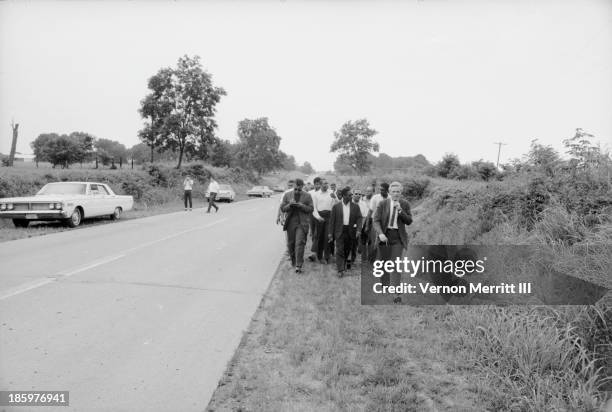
(298, 206)
(313, 225)
(322, 205)
(376, 199)
(281, 216)
(363, 209)
(390, 219)
(213, 189)
(188, 186)
(343, 223)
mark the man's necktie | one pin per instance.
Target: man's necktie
(392, 224)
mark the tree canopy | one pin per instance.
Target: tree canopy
(354, 143)
(179, 111)
(63, 150)
(258, 145)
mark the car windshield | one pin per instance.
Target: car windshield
(258, 188)
(225, 187)
(63, 189)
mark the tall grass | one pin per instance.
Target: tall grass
(539, 359)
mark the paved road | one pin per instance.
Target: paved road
(138, 315)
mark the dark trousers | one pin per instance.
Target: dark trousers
(344, 244)
(187, 199)
(390, 251)
(320, 243)
(211, 201)
(313, 234)
(296, 241)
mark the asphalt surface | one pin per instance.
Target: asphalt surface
(137, 315)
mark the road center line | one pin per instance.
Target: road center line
(17, 290)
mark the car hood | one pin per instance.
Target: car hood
(42, 198)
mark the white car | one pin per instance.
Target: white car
(225, 193)
(260, 191)
(70, 202)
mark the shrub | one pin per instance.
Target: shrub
(415, 188)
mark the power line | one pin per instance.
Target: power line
(499, 145)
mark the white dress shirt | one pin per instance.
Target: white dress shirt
(213, 187)
(364, 207)
(321, 201)
(376, 199)
(346, 213)
(392, 224)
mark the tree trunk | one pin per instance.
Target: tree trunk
(180, 158)
(15, 128)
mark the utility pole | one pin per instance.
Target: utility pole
(15, 127)
(499, 144)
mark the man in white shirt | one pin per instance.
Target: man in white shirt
(364, 207)
(313, 223)
(213, 189)
(188, 186)
(376, 199)
(322, 205)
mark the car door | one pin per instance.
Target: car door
(110, 200)
(95, 201)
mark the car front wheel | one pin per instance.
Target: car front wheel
(116, 214)
(21, 222)
(75, 218)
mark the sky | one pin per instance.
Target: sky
(431, 76)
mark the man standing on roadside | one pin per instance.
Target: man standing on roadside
(343, 223)
(213, 189)
(322, 205)
(188, 186)
(390, 219)
(298, 206)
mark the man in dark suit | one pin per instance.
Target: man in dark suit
(344, 224)
(390, 219)
(298, 206)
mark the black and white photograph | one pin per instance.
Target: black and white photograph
(293, 205)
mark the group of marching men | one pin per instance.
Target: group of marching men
(343, 222)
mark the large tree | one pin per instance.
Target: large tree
(258, 145)
(180, 109)
(62, 150)
(354, 144)
(110, 151)
(307, 168)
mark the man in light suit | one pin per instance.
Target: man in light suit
(344, 224)
(298, 206)
(390, 219)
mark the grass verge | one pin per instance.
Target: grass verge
(312, 346)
